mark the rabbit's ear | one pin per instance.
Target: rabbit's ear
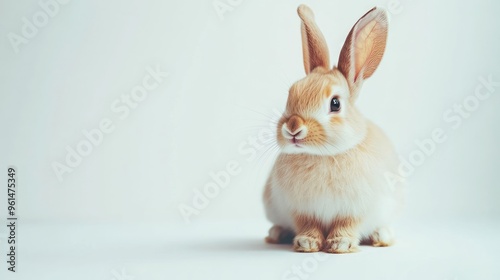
(364, 47)
(314, 45)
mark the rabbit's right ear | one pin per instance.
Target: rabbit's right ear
(314, 45)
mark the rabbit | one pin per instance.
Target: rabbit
(328, 189)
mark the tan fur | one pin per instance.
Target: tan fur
(316, 136)
(294, 123)
(267, 192)
(364, 48)
(353, 153)
(314, 46)
(303, 96)
(293, 171)
(310, 229)
(343, 227)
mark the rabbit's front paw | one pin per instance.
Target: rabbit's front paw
(340, 245)
(305, 243)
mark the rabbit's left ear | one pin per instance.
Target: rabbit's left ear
(364, 47)
(314, 46)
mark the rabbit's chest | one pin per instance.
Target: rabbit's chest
(321, 188)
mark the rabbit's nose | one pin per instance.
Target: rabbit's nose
(294, 128)
(294, 124)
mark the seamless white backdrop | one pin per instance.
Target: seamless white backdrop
(116, 215)
(226, 77)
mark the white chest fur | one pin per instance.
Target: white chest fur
(326, 188)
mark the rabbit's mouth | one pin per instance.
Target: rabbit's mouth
(296, 142)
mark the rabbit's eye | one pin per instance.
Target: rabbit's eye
(335, 105)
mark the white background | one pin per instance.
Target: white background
(227, 76)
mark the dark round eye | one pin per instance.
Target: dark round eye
(335, 105)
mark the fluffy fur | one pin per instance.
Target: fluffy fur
(328, 190)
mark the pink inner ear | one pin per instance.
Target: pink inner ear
(314, 46)
(364, 45)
